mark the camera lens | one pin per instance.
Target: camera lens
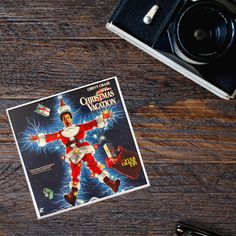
(204, 32)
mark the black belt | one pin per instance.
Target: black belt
(74, 141)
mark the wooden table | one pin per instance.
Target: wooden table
(187, 136)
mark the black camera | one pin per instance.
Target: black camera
(195, 37)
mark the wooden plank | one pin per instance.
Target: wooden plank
(174, 144)
(191, 130)
(186, 134)
(201, 193)
(25, 19)
(65, 65)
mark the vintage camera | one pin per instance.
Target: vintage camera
(196, 38)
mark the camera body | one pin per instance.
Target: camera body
(195, 37)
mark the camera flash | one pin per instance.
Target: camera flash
(149, 17)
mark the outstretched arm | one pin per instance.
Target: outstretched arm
(43, 139)
(100, 121)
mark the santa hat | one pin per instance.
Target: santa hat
(63, 108)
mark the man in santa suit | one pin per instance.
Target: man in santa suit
(78, 151)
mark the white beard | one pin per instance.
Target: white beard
(70, 132)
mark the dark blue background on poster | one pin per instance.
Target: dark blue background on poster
(26, 122)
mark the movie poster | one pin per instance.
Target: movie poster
(77, 147)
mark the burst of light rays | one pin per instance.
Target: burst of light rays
(90, 187)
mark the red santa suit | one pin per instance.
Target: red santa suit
(77, 149)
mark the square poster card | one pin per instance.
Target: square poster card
(77, 147)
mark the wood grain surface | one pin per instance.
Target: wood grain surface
(187, 136)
